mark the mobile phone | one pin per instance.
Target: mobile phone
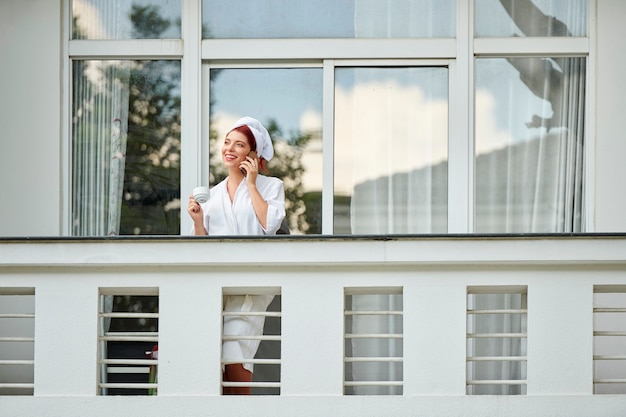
(252, 155)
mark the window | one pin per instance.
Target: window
(496, 341)
(295, 93)
(128, 336)
(609, 340)
(373, 350)
(125, 147)
(17, 341)
(531, 18)
(391, 150)
(323, 19)
(252, 323)
(407, 117)
(528, 166)
(119, 19)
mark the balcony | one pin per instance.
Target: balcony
(571, 361)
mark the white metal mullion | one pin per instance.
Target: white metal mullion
(373, 336)
(259, 49)
(384, 359)
(66, 134)
(252, 313)
(544, 46)
(205, 128)
(130, 48)
(17, 385)
(17, 362)
(17, 316)
(470, 91)
(498, 382)
(460, 126)
(253, 361)
(328, 147)
(252, 384)
(256, 64)
(470, 371)
(272, 338)
(372, 383)
(141, 291)
(102, 346)
(128, 315)
(128, 385)
(413, 62)
(588, 220)
(17, 339)
(129, 362)
(191, 148)
(137, 338)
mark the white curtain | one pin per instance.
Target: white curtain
(379, 323)
(514, 347)
(533, 182)
(99, 146)
(391, 146)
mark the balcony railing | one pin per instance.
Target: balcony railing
(423, 347)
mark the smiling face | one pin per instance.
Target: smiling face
(235, 149)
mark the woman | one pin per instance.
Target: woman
(245, 203)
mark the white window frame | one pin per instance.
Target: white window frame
(458, 54)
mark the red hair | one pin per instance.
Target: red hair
(245, 130)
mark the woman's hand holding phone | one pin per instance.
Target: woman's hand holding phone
(251, 163)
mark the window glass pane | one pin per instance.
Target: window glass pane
(531, 18)
(529, 144)
(125, 147)
(391, 150)
(122, 19)
(328, 19)
(288, 101)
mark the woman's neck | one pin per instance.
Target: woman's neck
(235, 175)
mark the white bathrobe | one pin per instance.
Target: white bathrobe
(236, 219)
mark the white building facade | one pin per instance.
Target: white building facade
(457, 244)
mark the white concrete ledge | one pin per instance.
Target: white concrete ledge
(305, 250)
(319, 406)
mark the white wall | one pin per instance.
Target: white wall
(611, 117)
(30, 108)
(312, 275)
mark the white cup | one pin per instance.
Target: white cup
(201, 194)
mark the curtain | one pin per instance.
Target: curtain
(391, 146)
(99, 145)
(377, 321)
(533, 180)
(514, 346)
